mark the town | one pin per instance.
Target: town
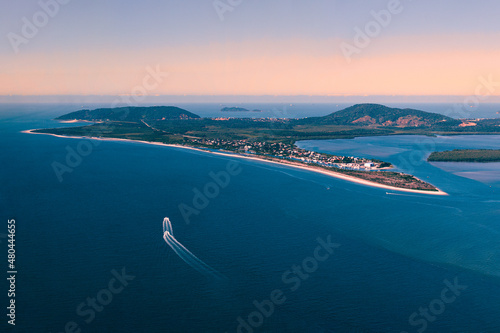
(290, 152)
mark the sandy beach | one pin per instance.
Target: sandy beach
(334, 174)
(254, 158)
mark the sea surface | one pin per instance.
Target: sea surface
(397, 262)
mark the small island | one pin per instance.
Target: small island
(238, 109)
(466, 155)
(273, 140)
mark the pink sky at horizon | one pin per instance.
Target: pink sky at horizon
(441, 65)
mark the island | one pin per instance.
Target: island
(273, 139)
(466, 155)
(238, 109)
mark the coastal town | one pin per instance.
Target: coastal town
(262, 138)
(290, 152)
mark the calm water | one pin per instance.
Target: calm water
(301, 110)
(395, 250)
(488, 173)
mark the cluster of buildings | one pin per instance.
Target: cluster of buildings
(290, 152)
(257, 120)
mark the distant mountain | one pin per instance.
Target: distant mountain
(131, 114)
(375, 115)
(238, 109)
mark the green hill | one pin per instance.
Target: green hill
(376, 115)
(133, 114)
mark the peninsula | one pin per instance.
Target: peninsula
(274, 139)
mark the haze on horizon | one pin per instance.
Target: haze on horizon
(283, 47)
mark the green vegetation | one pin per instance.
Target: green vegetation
(131, 114)
(275, 138)
(466, 155)
(119, 130)
(394, 179)
(380, 115)
(172, 122)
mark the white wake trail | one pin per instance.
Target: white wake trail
(185, 254)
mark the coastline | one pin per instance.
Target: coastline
(255, 158)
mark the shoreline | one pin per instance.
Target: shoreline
(254, 158)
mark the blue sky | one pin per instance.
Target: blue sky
(285, 47)
(121, 23)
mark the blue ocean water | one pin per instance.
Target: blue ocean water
(301, 110)
(394, 254)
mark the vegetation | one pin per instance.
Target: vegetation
(131, 114)
(119, 130)
(394, 179)
(348, 123)
(466, 155)
(380, 115)
(173, 125)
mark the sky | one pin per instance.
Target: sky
(250, 47)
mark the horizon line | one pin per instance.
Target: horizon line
(471, 100)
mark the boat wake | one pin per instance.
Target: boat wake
(186, 255)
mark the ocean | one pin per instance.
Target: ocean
(296, 251)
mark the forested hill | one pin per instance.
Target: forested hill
(133, 114)
(376, 115)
